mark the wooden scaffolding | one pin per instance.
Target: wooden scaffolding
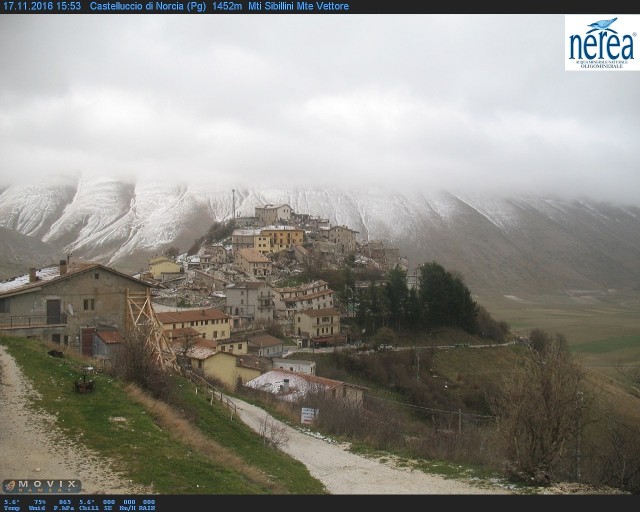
(140, 316)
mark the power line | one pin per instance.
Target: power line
(418, 407)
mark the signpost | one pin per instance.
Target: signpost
(308, 415)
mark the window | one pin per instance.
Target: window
(66, 339)
(55, 338)
(89, 304)
(4, 305)
(96, 276)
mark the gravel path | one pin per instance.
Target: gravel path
(30, 446)
(343, 472)
(28, 451)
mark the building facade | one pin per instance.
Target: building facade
(272, 214)
(252, 263)
(248, 302)
(61, 303)
(211, 323)
(314, 295)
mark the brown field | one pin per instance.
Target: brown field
(602, 327)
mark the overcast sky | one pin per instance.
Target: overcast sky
(414, 102)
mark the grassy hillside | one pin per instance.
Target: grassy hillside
(222, 456)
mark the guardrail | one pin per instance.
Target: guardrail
(27, 321)
(215, 392)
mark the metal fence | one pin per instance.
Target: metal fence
(22, 321)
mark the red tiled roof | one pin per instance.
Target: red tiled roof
(309, 296)
(265, 340)
(320, 312)
(192, 315)
(110, 337)
(181, 332)
(253, 256)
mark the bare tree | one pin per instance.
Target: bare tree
(273, 433)
(136, 362)
(538, 408)
(619, 455)
(182, 348)
(631, 372)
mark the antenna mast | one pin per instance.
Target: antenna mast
(234, 202)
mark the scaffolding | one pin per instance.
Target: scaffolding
(140, 316)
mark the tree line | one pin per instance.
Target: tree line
(439, 299)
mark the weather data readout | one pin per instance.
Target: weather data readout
(53, 503)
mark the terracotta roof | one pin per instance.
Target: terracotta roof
(192, 315)
(264, 340)
(181, 332)
(252, 361)
(320, 312)
(253, 256)
(308, 296)
(110, 337)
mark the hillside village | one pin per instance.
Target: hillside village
(210, 311)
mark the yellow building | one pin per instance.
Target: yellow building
(317, 323)
(211, 323)
(253, 263)
(283, 237)
(163, 265)
(229, 368)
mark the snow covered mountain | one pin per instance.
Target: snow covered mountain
(495, 242)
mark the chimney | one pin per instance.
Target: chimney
(32, 275)
(63, 267)
(285, 388)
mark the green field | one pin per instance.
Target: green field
(602, 327)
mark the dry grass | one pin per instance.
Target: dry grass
(185, 432)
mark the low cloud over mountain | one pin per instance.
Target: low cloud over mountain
(498, 243)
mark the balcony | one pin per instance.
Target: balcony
(32, 321)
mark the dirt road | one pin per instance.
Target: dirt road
(33, 447)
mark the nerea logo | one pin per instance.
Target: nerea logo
(600, 43)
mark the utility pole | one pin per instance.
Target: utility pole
(578, 440)
(233, 208)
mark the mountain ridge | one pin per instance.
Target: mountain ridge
(496, 242)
